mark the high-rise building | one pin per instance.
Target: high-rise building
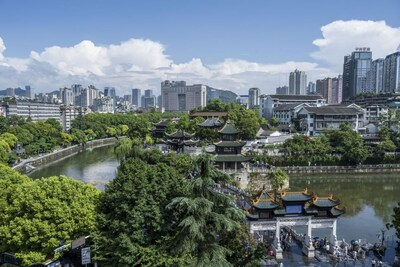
(254, 98)
(110, 91)
(10, 91)
(297, 83)
(377, 75)
(177, 96)
(311, 90)
(357, 73)
(88, 95)
(337, 90)
(148, 93)
(66, 96)
(136, 97)
(128, 98)
(324, 88)
(392, 73)
(282, 90)
(28, 92)
(76, 93)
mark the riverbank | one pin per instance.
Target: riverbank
(28, 165)
(380, 168)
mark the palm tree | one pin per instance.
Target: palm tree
(205, 216)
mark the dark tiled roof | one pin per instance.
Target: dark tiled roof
(295, 197)
(336, 212)
(324, 202)
(230, 143)
(297, 97)
(228, 129)
(211, 122)
(190, 142)
(286, 107)
(161, 123)
(231, 158)
(333, 110)
(179, 134)
(265, 205)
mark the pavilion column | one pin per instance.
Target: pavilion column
(223, 166)
(277, 241)
(308, 248)
(235, 166)
(309, 233)
(333, 238)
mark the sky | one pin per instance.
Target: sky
(228, 44)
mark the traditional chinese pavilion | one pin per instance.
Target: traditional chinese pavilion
(271, 212)
(179, 139)
(229, 149)
(159, 130)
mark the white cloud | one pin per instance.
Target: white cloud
(144, 63)
(2, 48)
(342, 37)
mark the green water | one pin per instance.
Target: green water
(95, 166)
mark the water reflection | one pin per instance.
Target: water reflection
(93, 166)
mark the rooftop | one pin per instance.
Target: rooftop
(211, 122)
(295, 196)
(228, 129)
(333, 110)
(327, 202)
(286, 107)
(297, 97)
(180, 134)
(230, 143)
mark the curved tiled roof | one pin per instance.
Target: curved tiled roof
(228, 129)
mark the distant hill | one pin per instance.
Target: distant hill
(225, 95)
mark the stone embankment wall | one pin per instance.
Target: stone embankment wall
(383, 168)
(26, 165)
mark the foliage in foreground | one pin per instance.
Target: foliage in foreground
(37, 216)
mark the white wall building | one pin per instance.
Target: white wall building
(104, 105)
(314, 120)
(36, 111)
(269, 102)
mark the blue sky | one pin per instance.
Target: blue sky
(229, 35)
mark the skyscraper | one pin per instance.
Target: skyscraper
(392, 73)
(110, 91)
(357, 73)
(377, 75)
(66, 96)
(28, 92)
(337, 90)
(297, 83)
(136, 97)
(254, 98)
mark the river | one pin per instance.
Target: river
(368, 198)
(95, 166)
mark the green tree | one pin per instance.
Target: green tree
(278, 178)
(206, 216)
(66, 139)
(79, 136)
(10, 139)
(133, 224)
(36, 215)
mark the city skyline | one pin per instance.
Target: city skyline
(200, 42)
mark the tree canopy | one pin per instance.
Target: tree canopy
(36, 216)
